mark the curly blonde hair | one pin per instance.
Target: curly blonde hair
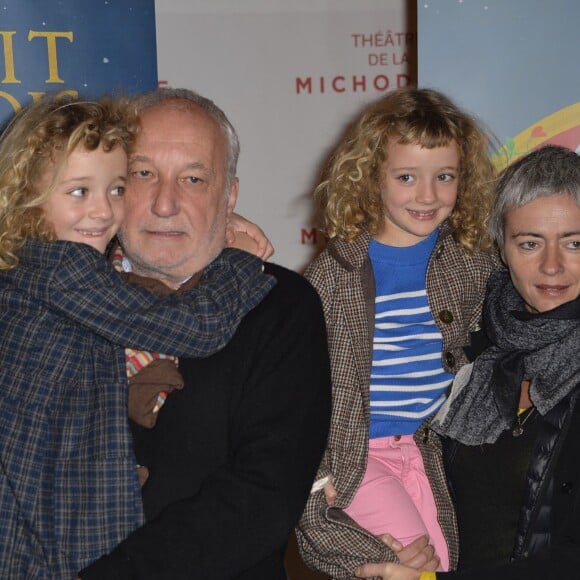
(43, 133)
(350, 197)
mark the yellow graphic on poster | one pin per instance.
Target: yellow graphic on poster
(559, 128)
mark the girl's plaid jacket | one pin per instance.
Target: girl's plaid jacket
(68, 478)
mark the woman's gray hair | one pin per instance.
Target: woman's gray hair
(550, 170)
(147, 100)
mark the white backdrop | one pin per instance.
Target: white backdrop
(290, 75)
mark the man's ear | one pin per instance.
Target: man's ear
(233, 197)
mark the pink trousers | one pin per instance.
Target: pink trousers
(395, 497)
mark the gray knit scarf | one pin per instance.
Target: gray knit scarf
(543, 348)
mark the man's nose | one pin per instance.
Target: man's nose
(166, 200)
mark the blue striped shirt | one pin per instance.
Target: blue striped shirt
(408, 381)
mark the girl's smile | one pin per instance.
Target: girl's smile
(86, 203)
(418, 190)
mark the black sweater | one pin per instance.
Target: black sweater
(233, 455)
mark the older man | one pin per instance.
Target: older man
(233, 455)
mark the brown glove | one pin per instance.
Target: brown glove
(148, 388)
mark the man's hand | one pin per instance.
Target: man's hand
(247, 236)
(419, 554)
(387, 571)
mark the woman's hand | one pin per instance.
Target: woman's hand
(388, 571)
(245, 235)
(415, 557)
(419, 554)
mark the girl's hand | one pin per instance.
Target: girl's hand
(330, 493)
(387, 571)
(243, 241)
(245, 235)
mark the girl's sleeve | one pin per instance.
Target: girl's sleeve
(331, 542)
(328, 539)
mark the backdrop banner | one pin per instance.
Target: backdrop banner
(75, 46)
(513, 64)
(290, 75)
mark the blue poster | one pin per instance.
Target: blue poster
(84, 47)
(512, 63)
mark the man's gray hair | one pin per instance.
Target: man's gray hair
(147, 100)
(550, 170)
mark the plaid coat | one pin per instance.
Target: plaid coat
(328, 539)
(68, 479)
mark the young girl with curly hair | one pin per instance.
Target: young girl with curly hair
(68, 482)
(404, 202)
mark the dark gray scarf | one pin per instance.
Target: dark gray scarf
(543, 348)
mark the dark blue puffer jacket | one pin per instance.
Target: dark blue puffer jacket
(547, 542)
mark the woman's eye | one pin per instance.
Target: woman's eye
(446, 177)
